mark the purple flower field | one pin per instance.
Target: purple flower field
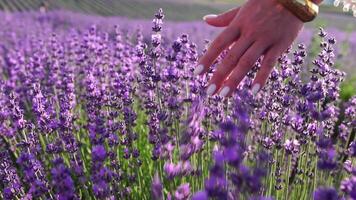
(108, 108)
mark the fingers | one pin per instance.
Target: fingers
(268, 63)
(243, 67)
(229, 62)
(221, 42)
(221, 20)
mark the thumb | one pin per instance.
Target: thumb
(221, 20)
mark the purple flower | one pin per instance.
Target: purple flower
(324, 193)
(327, 160)
(171, 169)
(182, 192)
(8, 173)
(156, 188)
(98, 153)
(62, 181)
(348, 166)
(348, 186)
(101, 189)
(201, 195)
(215, 187)
(292, 146)
(352, 149)
(30, 166)
(343, 132)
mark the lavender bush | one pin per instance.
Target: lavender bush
(103, 114)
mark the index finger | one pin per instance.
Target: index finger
(221, 42)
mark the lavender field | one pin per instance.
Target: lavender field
(108, 108)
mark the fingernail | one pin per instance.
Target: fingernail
(255, 88)
(199, 69)
(210, 16)
(211, 89)
(224, 91)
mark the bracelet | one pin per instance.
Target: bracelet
(305, 10)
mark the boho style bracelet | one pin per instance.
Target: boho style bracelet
(305, 10)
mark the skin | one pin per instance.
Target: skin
(258, 28)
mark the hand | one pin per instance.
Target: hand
(259, 28)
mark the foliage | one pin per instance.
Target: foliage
(102, 114)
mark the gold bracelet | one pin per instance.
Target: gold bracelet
(305, 10)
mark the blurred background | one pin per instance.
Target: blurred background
(176, 10)
(184, 16)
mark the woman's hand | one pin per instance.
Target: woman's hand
(259, 27)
